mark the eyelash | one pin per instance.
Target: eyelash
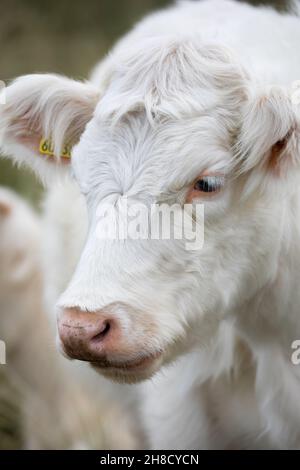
(209, 184)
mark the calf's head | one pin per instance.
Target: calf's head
(175, 123)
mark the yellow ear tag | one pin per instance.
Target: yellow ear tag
(47, 148)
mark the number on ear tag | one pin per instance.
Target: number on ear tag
(47, 148)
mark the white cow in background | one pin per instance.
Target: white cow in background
(193, 106)
(57, 410)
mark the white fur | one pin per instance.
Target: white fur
(57, 410)
(200, 87)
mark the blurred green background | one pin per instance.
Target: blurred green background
(67, 37)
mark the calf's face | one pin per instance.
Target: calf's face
(180, 133)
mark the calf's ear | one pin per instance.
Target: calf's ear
(42, 117)
(5, 208)
(269, 134)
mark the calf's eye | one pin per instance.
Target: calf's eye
(205, 186)
(209, 184)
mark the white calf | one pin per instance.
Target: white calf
(193, 106)
(58, 410)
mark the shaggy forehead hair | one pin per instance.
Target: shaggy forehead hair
(171, 78)
(163, 98)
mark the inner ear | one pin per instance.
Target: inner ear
(43, 118)
(278, 150)
(269, 123)
(5, 208)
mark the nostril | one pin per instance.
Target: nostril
(104, 331)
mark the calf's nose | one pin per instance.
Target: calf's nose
(85, 335)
